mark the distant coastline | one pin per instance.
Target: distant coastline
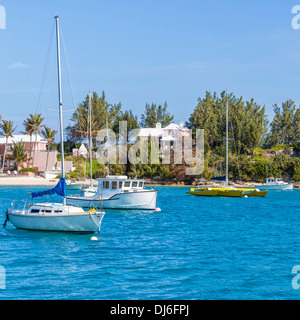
(40, 181)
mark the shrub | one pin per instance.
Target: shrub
(27, 170)
(296, 175)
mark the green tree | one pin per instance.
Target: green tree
(28, 131)
(19, 154)
(296, 175)
(285, 125)
(7, 130)
(130, 118)
(247, 122)
(49, 136)
(35, 122)
(101, 110)
(154, 114)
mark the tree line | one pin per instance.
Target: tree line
(250, 129)
(249, 126)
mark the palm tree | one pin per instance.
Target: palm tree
(6, 130)
(19, 153)
(85, 125)
(36, 124)
(28, 131)
(49, 135)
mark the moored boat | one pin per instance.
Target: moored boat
(118, 192)
(275, 184)
(227, 192)
(54, 216)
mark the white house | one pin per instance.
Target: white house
(82, 151)
(167, 136)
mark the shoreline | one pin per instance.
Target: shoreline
(27, 181)
(41, 181)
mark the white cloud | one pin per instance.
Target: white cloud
(18, 65)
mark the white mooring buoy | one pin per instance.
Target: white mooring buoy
(94, 238)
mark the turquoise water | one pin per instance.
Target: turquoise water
(195, 248)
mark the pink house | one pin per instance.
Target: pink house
(33, 142)
(172, 133)
(167, 136)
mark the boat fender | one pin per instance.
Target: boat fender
(157, 210)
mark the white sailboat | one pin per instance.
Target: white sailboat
(54, 216)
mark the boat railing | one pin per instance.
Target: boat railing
(18, 205)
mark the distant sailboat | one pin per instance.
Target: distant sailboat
(54, 216)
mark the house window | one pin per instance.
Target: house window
(105, 184)
(171, 133)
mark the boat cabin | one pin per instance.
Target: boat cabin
(111, 185)
(274, 181)
(52, 208)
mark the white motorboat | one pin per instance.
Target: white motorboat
(118, 192)
(275, 184)
(54, 216)
(90, 190)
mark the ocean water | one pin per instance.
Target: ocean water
(195, 248)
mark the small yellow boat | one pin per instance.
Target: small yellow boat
(227, 192)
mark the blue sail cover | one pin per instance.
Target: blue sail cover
(59, 189)
(223, 178)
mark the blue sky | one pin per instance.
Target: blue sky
(144, 51)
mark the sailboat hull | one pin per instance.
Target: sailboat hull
(87, 223)
(227, 192)
(288, 186)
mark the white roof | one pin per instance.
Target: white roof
(174, 126)
(82, 151)
(154, 132)
(22, 137)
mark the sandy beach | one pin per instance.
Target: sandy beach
(26, 181)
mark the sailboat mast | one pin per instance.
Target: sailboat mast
(90, 135)
(107, 137)
(226, 141)
(60, 102)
